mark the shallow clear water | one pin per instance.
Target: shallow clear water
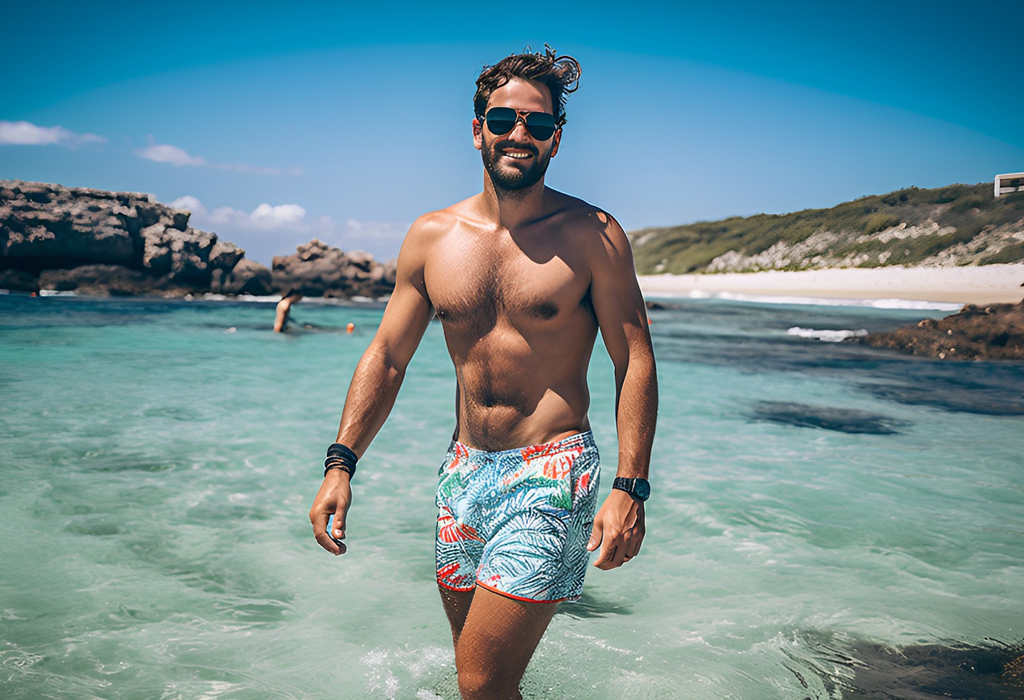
(158, 460)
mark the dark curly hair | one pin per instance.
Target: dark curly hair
(561, 76)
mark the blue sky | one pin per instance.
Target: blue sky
(280, 122)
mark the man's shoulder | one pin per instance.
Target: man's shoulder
(441, 221)
(585, 219)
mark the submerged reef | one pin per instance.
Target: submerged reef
(843, 420)
(993, 671)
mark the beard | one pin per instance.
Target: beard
(510, 181)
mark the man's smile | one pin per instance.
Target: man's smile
(515, 151)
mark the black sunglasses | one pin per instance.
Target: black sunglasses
(501, 120)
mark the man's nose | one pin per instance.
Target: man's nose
(520, 129)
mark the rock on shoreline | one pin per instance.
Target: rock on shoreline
(103, 243)
(123, 243)
(317, 269)
(992, 332)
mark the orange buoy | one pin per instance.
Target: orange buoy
(350, 327)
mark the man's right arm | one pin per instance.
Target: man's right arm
(377, 379)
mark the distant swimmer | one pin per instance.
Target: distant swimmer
(522, 278)
(284, 307)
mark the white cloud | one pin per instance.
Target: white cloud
(166, 153)
(28, 134)
(270, 230)
(265, 217)
(190, 203)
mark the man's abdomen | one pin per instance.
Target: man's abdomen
(513, 392)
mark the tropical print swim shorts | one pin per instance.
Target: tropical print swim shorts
(517, 521)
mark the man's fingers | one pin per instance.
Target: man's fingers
(604, 561)
(620, 557)
(611, 548)
(330, 545)
(319, 519)
(337, 523)
(595, 536)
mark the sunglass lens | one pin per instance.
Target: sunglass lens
(500, 120)
(541, 125)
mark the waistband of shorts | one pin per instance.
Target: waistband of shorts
(583, 439)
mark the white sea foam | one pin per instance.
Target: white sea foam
(911, 304)
(827, 336)
(832, 301)
(809, 301)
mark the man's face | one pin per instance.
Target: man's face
(516, 161)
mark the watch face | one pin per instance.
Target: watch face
(642, 489)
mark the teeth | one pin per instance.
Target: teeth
(519, 156)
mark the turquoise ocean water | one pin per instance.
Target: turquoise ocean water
(811, 499)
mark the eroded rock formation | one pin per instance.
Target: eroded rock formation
(317, 269)
(99, 242)
(992, 332)
(125, 243)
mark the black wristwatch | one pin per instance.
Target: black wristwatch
(639, 489)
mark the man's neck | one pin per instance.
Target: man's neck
(513, 208)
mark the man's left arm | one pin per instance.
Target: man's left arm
(622, 318)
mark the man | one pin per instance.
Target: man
(522, 277)
(284, 308)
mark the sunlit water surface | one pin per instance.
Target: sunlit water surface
(158, 460)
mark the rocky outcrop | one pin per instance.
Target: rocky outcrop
(101, 280)
(98, 242)
(18, 281)
(246, 277)
(317, 269)
(993, 332)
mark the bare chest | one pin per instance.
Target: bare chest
(479, 284)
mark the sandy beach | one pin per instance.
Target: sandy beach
(989, 284)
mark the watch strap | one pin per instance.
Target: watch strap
(630, 486)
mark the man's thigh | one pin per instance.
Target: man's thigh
(498, 639)
(456, 607)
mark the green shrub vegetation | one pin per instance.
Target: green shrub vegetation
(1010, 254)
(969, 210)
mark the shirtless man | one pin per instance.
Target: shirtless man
(284, 308)
(522, 278)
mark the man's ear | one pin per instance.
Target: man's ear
(478, 134)
(558, 140)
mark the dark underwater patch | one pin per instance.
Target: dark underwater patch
(951, 394)
(843, 420)
(753, 339)
(589, 606)
(991, 672)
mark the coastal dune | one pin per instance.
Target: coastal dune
(986, 284)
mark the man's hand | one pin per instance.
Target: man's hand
(620, 524)
(333, 498)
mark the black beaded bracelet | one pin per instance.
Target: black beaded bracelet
(341, 457)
